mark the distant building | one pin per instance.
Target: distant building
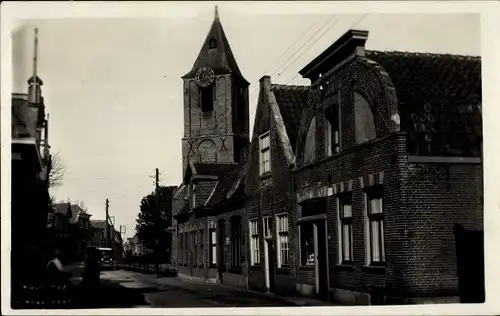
(100, 240)
(70, 225)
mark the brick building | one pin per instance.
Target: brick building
(270, 199)
(208, 208)
(70, 227)
(365, 187)
(388, 164)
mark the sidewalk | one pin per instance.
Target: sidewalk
(211, 285)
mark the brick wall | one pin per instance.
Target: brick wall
(439, 196)
(268, 196)
(385, 154)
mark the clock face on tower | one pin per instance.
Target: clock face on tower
(204, 77)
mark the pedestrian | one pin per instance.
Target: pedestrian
(58, 289)
(91, 274)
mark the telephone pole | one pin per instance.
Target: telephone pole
(157, 206)
(107, 224)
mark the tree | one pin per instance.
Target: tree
(152, 224)
(57, 170)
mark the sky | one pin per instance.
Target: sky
(113, 86)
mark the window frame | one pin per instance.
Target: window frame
(332, 131)
(286, 236)
(264, 152)
(253, 226)
(343, 220)
(374, 193)
(267, 225)
(200, 248)
(213, 246)
(236, 240)
(301, 264)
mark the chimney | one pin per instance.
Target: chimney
(265, 82)
(352, 42)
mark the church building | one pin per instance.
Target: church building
(208, 207)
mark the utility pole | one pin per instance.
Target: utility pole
(157, 202)
(107, 224)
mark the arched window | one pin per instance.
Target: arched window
(310, 144)
(364, 121)
(207, 151)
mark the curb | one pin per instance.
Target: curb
(196, 279)
(272, 295)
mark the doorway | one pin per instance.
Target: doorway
(314, 243)
(269, 258)
(321, 255)
(221, 242)
(270, 263)
(470, 264)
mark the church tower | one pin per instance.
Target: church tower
(216, 112)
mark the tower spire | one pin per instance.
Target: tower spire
(216, 12)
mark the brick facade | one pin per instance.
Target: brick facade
(421, 201)
(396, 165)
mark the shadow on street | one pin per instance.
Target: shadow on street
(110, 295)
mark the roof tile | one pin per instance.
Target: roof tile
(291, 100)
(439, 98)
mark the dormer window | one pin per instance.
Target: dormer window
(207, 99)
(212, 44)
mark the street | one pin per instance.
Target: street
(126, 289)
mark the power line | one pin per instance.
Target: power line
(324, 33)
(303, 45)
(296, 41)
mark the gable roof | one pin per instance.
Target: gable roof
(291, 101)
(212, 169)
(220, 58)
(76, 210)
(227, 185)
(439, 100)
(98, 224)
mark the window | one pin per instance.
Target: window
(267, 226)
(186, 248)
(213, 247)
(364, 122)
(212, 44)
(332, 133)
(236, 245)
(282, 240)
(310, 145)
(200, 248)
(375, 226)
(193, 248)
(254, 242)
(207, 98)
(181, 250)
(345, 228)
(307, 244)
(265, 157)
